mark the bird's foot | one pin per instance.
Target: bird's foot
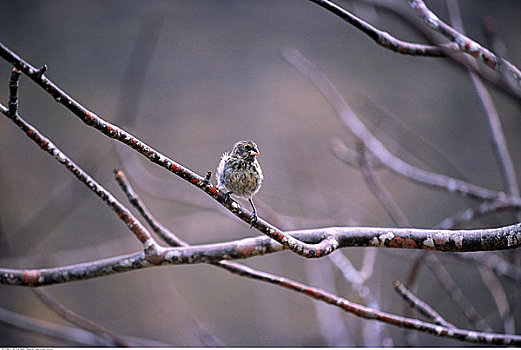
(206, 180)
(227, 198)
(253, 219)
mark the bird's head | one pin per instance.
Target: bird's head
(245, 149)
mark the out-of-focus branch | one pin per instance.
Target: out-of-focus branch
(484, 208)
(499, 144)
(360, 131)
(455, 293)
(500, 266)
(53, 330)
(500, 298)
(79, 320)
(380, 192)
(350, 156)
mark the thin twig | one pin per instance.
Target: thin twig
(500, 298)
(53, 330)
(499, 144)
(421, 306)
(383, 38)
(79, 320)
(380, 192)
(455, 293)
(360, 131)
(466, 44)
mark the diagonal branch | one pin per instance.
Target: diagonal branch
(52, 330)
(325, 247)
(383, 38)
(420, 305)
(46, 145)
(458, 42)
(79, 320)
(466, 44)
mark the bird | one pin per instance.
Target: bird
(239, 173)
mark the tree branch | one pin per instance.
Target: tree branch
(466, 44)
(360, 131)
(79, 320)
(459, 42)
(57, 331)
(312, 292)
(319, 249)
(382, 38)
(421, 306)
(498, 141)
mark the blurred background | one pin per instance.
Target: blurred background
(192, 77)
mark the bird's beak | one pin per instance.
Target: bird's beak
(253, 153)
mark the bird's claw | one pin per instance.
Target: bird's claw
(253, 219)
(206, 180)
(227, 197)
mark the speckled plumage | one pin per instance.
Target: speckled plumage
(239, 172)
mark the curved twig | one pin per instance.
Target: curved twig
(466, 44)
(362, 133)
(458, 42)
(383, 38)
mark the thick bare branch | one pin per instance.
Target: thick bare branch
(315, 293)
(507, 237)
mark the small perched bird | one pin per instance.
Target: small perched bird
(239, 172)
